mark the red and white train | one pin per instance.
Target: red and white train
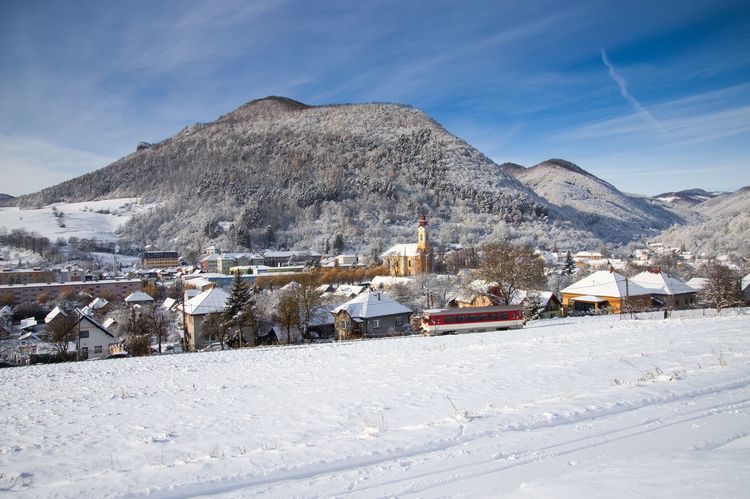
(470, 320)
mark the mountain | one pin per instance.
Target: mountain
(279, 172)
(725, 226)
(687, 198)
(598, 205)
(5, 197)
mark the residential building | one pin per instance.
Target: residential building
(114, 290)
(26, 276)
(666, 291)
(605, 290)
(159, 259)
(370, 314)
(196, 309)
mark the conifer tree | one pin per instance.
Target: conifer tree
(238, 298)
(570, 264)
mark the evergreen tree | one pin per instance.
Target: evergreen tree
(338, 243)
(570, 264)
(239, 296)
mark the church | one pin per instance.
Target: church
(410, 258)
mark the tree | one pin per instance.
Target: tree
(309, 301)
(338, 243)
(137, 333)
(239, 296)
(509, 268)
(287, 312)
(722, 289)
(62, 330)
(214, 325)
(570, 265)
(159, 323)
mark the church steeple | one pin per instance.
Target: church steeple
(422, 241)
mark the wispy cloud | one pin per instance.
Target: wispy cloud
(626, 94)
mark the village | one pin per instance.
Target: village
(246, 299)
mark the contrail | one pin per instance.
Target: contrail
(624, 91)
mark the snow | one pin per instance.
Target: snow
(209, 301)
(562, 408)
(605, 283)
(661, 283)
(372, 304)
(81, 219)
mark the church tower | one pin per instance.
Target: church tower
(422, 243)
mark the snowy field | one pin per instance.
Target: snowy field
(586, 407)
(83, 220)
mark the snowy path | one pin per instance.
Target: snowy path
(565, 408)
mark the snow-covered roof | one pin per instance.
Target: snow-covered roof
(521, 294)
(210, 301)
(6, 310)
(589, 299)
(697, 283)
(745, 281)
(372, 304)
(605, 283)
(661, 283)
(138, 297)
(109, 322)
(403, 249)
(52, 314)
(98, 303)
(29, 322)
(384, 281)
(168, 303)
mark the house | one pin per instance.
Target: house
(666, 291)
(605, 290)
(745, 286)
(370, 314)
(196, 309)
(410, 259)
(116, 289)
(139, 298)
(209, 263)
(478, 293)
(385, 281)
(92, 339)
(279, 258)
(545, 304)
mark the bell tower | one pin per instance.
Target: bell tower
(422, 243)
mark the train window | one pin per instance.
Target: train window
(503, 316)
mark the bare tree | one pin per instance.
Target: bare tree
(309, 301)
(287, 312)
(159, 323)
(722, 289)
(510, 268)
(137, 332)
(62, 330)
(215, 325)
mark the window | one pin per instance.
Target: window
(399, 320)
(85, 351)
(98, 349)
(83, 334)
(376, 323)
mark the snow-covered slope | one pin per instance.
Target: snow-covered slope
(687, 198)
(592, 202)
(92, 220)
(563, 408)
(725, 226)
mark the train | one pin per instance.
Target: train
(470, 320)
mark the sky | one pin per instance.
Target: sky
(649, 96)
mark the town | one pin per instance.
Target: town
(164, 304)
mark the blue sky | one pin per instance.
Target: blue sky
(650, 96)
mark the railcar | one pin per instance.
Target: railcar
(470, 320)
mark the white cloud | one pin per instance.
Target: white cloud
(29, 165)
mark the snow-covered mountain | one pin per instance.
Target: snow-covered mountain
(687, 198)
(276, 172)
(578, 195)
(725, 226)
